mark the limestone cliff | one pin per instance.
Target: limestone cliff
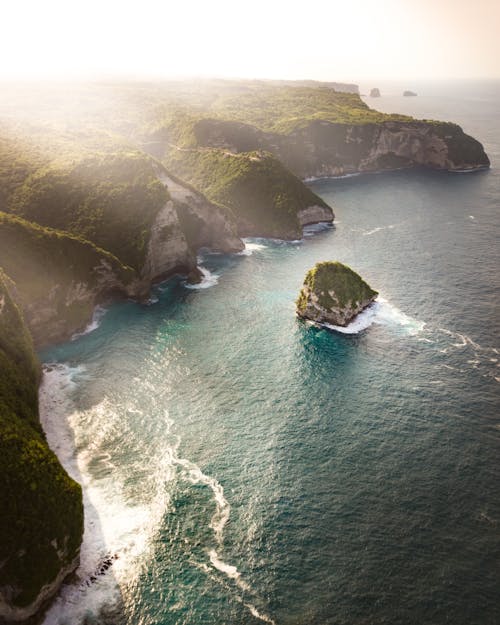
(323, 148)
(333, 293)
(258, 193)
(41, 520)
(203, 223)
(59, 278)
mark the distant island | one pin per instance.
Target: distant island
(333, 294)
(409, 93)
(102, 201)
(375, 93)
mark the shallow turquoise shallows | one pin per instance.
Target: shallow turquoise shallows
(240, 466)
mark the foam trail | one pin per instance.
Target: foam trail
(229, 570)
(218, 521)
(380, 312)
(369, 232)
(117, 534)
(97, 316)
(196, 476)
(209, 279)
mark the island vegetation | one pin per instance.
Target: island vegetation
(333, 293)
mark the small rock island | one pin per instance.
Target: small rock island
(333, 293)
(409, 93)
(375, 93)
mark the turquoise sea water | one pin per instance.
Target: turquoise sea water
(240, 466)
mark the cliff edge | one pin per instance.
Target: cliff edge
(41, 520)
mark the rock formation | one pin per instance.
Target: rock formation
(334, 294)
(321, 148)
(375, 93)
(409, 93)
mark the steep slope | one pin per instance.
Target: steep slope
(41, 520)
(111, 199)
(323, 148)
(316, 131)
(264, 198)
(333, 293)
(59, 278)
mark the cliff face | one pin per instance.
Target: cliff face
(333, 293)
(323, 148)
(203, 223)
(256, 191)
(58, 278)
(41, 520)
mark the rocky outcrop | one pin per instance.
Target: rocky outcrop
(333, 294)
(203, 223)
(409, 93)
(254, 190)
(375, 93)
(314, 214)
(58, 278)
(168, 251)
(322, 148)
(41, 520)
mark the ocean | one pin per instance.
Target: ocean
(240, 466)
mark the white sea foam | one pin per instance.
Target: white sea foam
(339, 177)
(314, 229)
(378, 229)
(116, 532)
(380, 312)
(209, 279)
(228, 570)
(97, 316)
(232, 573)
(250, 248)
(118, 527)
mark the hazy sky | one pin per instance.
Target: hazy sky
(349, 40)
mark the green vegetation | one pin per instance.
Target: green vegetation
(41, 520)
(285, 109)
(26, 247)
(333, 277)
(270, 108)
(55, 271)
(255, 187)
(109, 199)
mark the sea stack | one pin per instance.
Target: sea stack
(375, 93)
(333, 293)
(409, 93)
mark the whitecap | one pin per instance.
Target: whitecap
(367, 233)
(97, 316)
(380, 312)
(232, 573)
(250, 248)
(116, 533)
(209, 279)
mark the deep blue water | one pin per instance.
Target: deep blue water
(242, 467)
